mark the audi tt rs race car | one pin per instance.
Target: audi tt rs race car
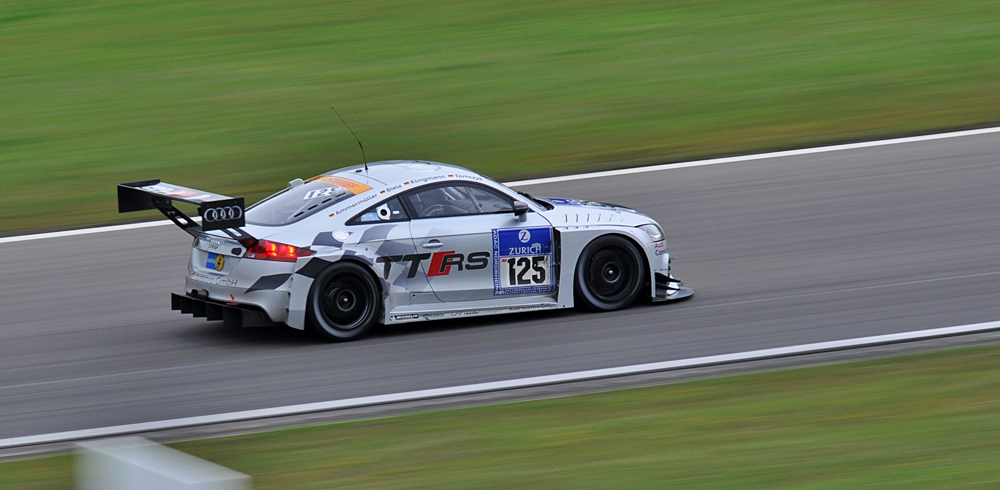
(405, 241)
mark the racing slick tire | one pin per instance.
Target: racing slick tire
(343, 302)
(609, 274)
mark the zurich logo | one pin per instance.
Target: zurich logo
(524, 236)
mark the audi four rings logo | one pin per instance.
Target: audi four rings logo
(224, 213)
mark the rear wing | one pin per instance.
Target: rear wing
(217, 212)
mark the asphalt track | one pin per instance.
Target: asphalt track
(780, 251)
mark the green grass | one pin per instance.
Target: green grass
(915, 422)
(234, 96)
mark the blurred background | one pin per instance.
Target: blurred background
(235, 96)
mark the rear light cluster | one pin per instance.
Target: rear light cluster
(268, 250)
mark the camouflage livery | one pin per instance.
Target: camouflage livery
(441, 241)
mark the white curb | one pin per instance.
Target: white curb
(408, 396)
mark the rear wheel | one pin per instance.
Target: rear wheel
(343, 302)
(609, 274)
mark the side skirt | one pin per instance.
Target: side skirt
(418, 316)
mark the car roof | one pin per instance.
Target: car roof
(393, 173)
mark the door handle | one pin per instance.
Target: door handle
(432, 244)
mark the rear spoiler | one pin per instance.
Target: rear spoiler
(217, 212)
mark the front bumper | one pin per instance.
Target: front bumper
(669, 288)
(233, 315)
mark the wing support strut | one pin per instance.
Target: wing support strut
(217, 212)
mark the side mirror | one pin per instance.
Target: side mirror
(521, 211)
(295, 183)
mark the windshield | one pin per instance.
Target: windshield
(302, 201)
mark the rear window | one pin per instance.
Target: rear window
(299, 202)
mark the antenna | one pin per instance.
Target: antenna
(363, 158)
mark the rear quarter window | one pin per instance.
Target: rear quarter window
(296, 203)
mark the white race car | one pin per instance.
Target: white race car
(405, 241)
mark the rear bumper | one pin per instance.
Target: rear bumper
(238, 315)
(669, 289)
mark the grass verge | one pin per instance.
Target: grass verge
(234, 96)
(915, 422)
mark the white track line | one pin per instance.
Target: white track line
(592, 175)
(759, 156)
(83, 231)
(497, 385)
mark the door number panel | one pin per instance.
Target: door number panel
(522, 261)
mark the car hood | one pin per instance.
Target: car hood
(577, 212)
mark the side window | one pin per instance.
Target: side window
(489, 201)
(441, 201)
(457, 200)
(391, 210)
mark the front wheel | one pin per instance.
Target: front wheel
(343, 302)
(609, 274)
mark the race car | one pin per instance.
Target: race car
(405, 241)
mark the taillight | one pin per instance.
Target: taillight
(268, 250)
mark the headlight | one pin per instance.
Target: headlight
(653, 231)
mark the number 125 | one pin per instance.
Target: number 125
(518, 268)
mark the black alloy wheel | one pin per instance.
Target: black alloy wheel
(609, 274)
(343, 303)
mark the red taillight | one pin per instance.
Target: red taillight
(268, 250)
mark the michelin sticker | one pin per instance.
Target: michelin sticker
(522, 261)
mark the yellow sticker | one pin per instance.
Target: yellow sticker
(353, 186)
(220, 262)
